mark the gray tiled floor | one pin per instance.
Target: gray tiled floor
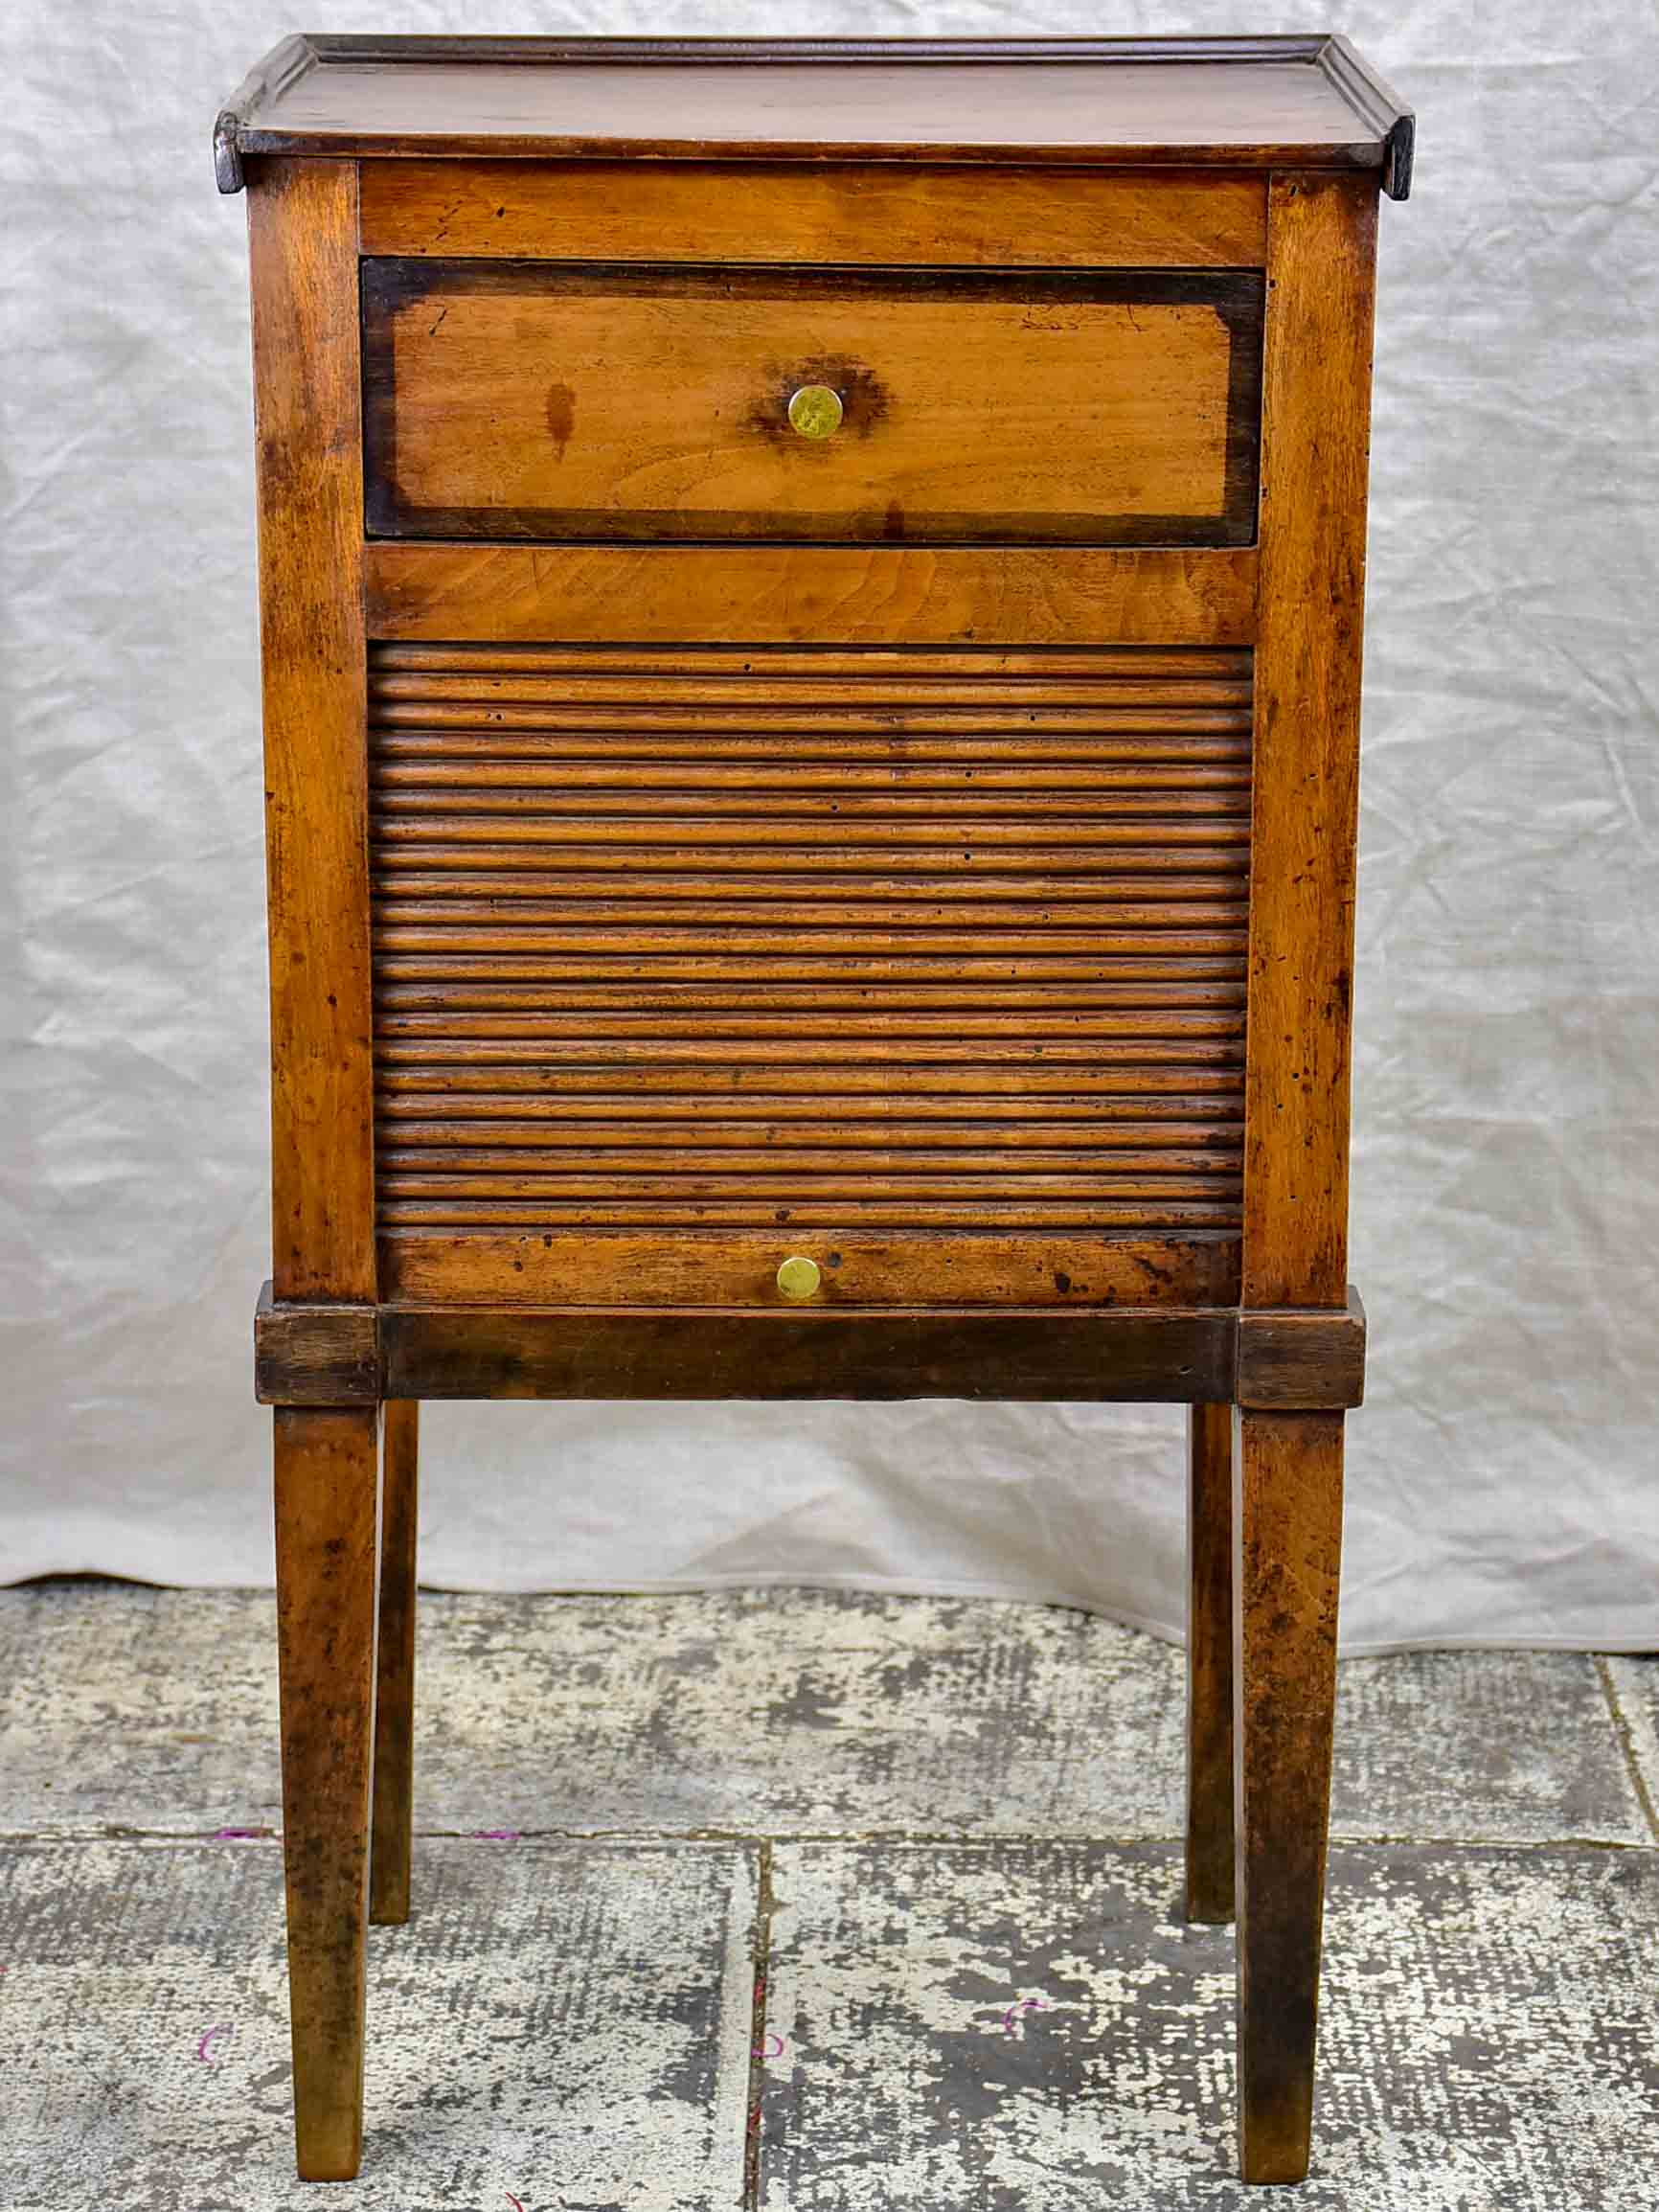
(943, 1832)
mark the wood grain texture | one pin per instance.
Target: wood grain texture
(315, 1355)
(646, 833)
(1144, 1355)
(303, 236)
(1305, 1357)
(1192, 102)
(1287, 1536)
(552, 401)
(1322, 234)
(874, 595)
(1302, 1360)
(720, 1267)
(730, 214)
(326, 1481)
(394, 1810)
(1208, 1858)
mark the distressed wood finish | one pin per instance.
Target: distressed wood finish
(825, 1349)
(1210, 1662)
(326, 1481)
(760, 874)
(447, 1352)
(1183, 103)
(876, 595)
(393, 1811)
(730, 215)
(303, 239)
(1303, 1357)
(311, 1354)
(540, 400)
(860, 1265)
(1287, 1533)
(1322, 238)
(951, 887)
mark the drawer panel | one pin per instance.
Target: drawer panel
(534, 399)
(927, 965)
(815, 212)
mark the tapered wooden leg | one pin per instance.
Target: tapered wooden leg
(1287, 1533)
(394, 1695)
(326, 1485)
(1208, 1662)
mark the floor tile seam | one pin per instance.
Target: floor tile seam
(776, 1839)
(1626, 1736)
(754, 2144)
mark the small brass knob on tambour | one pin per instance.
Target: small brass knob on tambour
(799, 1278)
(815, 411)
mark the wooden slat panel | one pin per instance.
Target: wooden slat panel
(804, 595)
(953, 1027)
(733, 213)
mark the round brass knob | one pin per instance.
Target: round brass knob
(815, 411)
(799, 1278)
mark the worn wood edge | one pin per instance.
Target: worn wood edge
(1373, 99)
(316, 1354)
(238, 130)
(317, 142)
(355, 1354)
(271, 76)
(391, 47)
(1302, 1358)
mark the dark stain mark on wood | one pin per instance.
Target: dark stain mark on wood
(560, 417)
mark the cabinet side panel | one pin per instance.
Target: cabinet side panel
(1316, 393)
(303, 236)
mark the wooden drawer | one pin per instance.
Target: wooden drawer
(548, 400)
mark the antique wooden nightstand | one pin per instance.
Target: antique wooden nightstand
(811, 604)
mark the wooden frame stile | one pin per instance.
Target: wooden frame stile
(1286, 1517)
(303, 244)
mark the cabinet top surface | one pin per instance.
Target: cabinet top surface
(1240, 103)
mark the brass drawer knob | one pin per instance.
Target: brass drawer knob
(799, 1278)
(815, 411)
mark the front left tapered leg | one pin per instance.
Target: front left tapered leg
(1287, 1537)
(395, 1694)
(1208, 1663)
(327, 1488)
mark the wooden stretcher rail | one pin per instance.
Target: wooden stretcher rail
(1307, 1359)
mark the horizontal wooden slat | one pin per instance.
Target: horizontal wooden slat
(1032, 1087)
(812, 212)
(714, 1265)
(804, 595)
(311, 1354)
(948, 946)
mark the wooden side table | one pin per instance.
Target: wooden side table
(811, 604)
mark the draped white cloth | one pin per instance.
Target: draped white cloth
(1502, 1476)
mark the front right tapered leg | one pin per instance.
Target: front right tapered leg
(327, 1488)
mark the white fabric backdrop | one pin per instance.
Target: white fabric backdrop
(1502, 1478)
